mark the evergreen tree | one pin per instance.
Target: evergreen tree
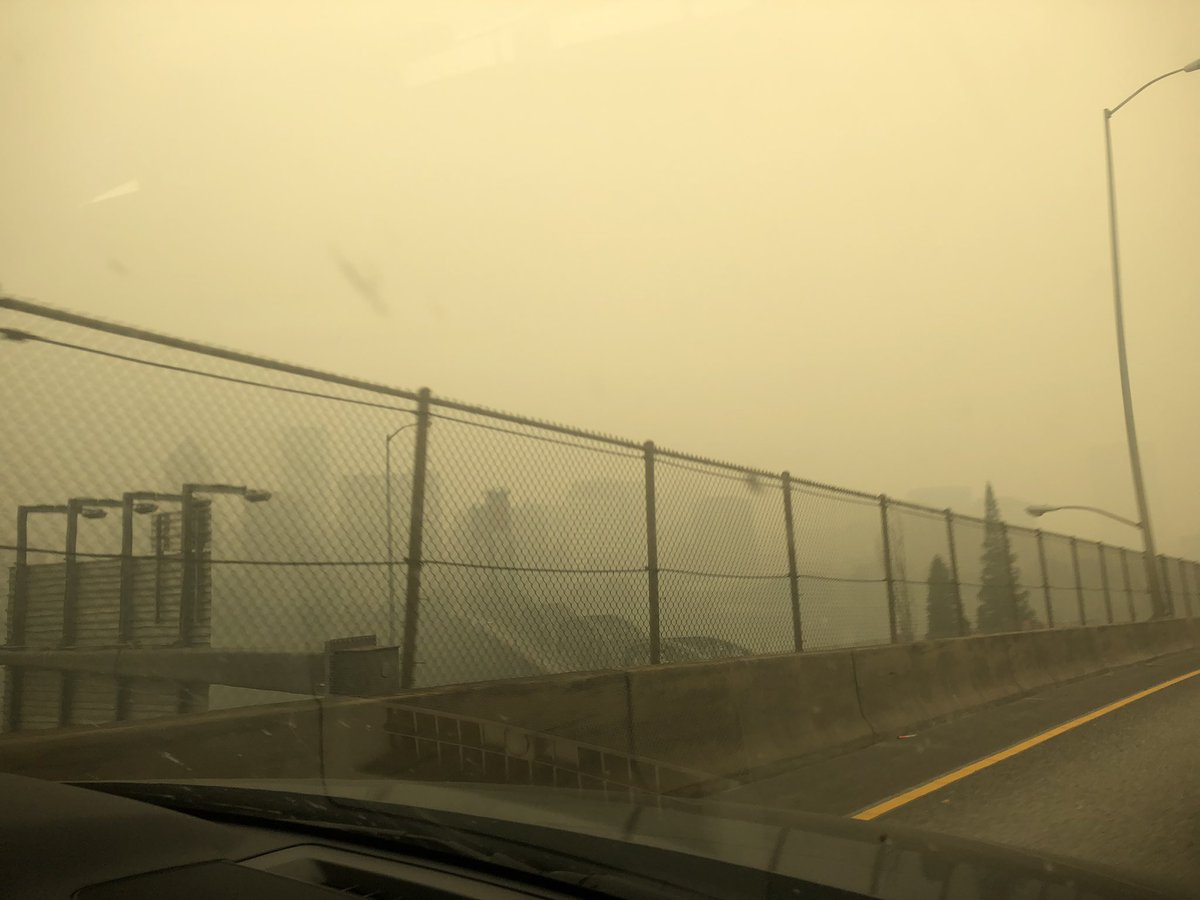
(1003, 605)
(945, 619)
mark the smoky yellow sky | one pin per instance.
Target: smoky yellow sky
(859, 239)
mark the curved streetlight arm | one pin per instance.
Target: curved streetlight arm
(1190, 67)
(1042, 510)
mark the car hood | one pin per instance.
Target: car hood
(871, 858)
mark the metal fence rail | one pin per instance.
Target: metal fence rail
(485, 544)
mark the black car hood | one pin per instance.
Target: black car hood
(868, 858)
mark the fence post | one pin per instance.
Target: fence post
(412, 587)
(1041, 545)
(1166, 587)
(1078, 582)
(1183, 588)
(652, 554)
(1128, 584)
(958, 600)
(1108, 610)
(887, 566)
(793, 574)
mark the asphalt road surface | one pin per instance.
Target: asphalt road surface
(1120, 790)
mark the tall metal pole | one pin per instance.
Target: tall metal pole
(652, 555)
(958, 600)
(187, 528)
(391, 541)
(412, 588)
(125, 603)
(1150, 554)
(887, 567)
(129, 505)
(75, 506)
(391, 551)
(793, 573)
(16, 635)
(71, 587)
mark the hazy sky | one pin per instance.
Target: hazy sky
(864, 241)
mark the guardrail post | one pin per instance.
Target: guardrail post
(958, 600)
(793, 574)
(652, 554)
(887, 567)
(1166, 586)
(1108, 609)
(1128, 584)
(1183, 589)
(1041, 545)
(412, 589)
(1078, 582)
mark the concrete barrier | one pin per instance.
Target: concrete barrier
(805, 703)
(590, 706)
(905, 685)
(724, 718)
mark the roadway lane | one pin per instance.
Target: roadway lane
(1122, 790)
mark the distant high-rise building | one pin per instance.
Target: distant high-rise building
(186, 463)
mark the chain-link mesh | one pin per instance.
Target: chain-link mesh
(1091, 581)
(722, 558)
(839, 558)
(535, 544)
(968, 543)
(920, 551)
(1024, 545)
(1143, 606)
(534, 554)
(1176, 597)
(1060, 574)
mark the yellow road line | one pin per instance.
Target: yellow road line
(941, 781)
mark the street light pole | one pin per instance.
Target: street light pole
(76, 507)
(391, 552)
(16, 675)
(188, 505)
(1150, 554)
(142, 503)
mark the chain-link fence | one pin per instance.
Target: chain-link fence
(171, 494)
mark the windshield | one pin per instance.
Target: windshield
(706, 400)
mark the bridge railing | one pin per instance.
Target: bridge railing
(483, 544)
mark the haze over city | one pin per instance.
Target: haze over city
(865, 249)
